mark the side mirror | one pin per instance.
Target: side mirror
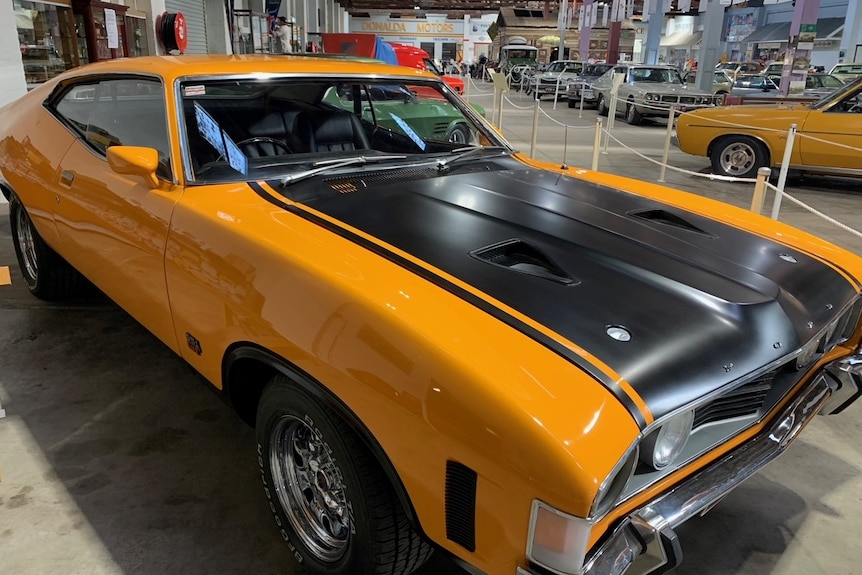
(135, 161)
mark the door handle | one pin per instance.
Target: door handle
(66, 178)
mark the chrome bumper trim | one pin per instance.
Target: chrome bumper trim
(847, 373)
(646, 539)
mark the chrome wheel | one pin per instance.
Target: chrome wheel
(737, 158)
(27, 245)
(310, 488)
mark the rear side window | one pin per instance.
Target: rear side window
(119, 112)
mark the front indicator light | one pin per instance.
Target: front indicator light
(557, 540)
(662, 447)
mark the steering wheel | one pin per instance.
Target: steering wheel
(261, 140)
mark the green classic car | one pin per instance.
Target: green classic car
(396, 106)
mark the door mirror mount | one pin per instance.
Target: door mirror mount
(135, 161)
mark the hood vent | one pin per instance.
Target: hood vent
(353, 183)
(518, 256)
(668, 219)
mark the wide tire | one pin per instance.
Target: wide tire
(633, 117)
(333, 504)
(572, 103)
(47, 275)
(459, 134)
(738, 156)
(601, 107)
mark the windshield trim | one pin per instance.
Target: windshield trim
(429, 79)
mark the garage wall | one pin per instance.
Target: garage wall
(196, 20)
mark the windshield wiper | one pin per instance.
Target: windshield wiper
(326, 165)
(460, 154)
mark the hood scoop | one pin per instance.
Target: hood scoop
(668, 219)
(518, 256)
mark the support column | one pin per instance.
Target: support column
(708, 57)
(303, 37)
(852, 31)
(614, 42)
(586, 30)
(654, 30)
(804, 14)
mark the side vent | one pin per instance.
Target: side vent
(519, 256)
(461, 505)
(668, 219)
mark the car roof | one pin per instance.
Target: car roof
(172, 67)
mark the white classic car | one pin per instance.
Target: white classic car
(555, 79)
(648, 90)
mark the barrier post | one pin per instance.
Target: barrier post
(782, 175)
(612, 113)
(597, 144)
(535, 129)
(500, 112)
(557, 91)
(581, 110)
(760, 189)
(670, 118)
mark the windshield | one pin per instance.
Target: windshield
(558, 67)
(248, 128)
(846, 92)
(663, 75)
(597, 69)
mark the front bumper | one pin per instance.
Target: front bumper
(645, 542)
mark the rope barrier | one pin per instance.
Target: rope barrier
(682, 170)
(814, 211)
(588, 127)
(514, 105)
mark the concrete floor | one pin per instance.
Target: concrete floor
(115, 458)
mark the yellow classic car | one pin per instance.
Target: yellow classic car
(441, 345)
(740, 139)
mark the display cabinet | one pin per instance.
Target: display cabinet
(104, 32)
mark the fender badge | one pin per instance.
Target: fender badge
(618, 332)
(788, 258)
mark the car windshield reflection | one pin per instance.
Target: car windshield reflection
(242, 129)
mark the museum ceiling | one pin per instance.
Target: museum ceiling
(458, 8)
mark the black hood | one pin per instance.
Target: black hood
(704, 303)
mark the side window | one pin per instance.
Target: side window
(76, 105)
(122, 112)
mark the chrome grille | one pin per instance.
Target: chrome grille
(744, 400)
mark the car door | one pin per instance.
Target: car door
(114, 227)
(832, 137)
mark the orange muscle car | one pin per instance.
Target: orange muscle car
(442, 344)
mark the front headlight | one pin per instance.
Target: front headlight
(661, 447)
(652, 97)
(557, 540)
(808, 353)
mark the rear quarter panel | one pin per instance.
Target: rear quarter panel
(32, 144)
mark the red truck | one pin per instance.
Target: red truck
(372, 46)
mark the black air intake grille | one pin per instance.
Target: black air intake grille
(744, 400)
(461, 505)
(382, 177)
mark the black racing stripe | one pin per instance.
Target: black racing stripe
(474, 300)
